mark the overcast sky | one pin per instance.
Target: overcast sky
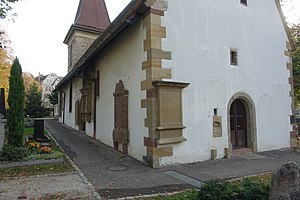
(41, 25)
(39, 30)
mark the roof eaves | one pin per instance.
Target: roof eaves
(134, 9)
(79, 27)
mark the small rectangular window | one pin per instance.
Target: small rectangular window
(244, 2)
(233, 57)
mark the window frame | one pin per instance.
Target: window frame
(244, 2)
(234, 61)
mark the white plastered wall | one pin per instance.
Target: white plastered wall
(76, 95)
(122, 61)
(200, 35)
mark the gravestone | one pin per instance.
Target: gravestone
(38, 129)
(286, 182)
(2, 102)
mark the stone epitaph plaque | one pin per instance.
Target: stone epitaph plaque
(170, 123)
(217, 126)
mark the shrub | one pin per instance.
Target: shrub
(245, 189)
(216, 190)
(253, 190)
(13, 153)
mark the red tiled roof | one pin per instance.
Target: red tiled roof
(92, 13)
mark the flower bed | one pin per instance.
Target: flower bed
(32, 150)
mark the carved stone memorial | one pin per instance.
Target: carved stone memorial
(217, 126)
(121, 132)
(170, 123)
(286, 182)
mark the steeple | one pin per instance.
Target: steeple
(90, 22)
(92, 14)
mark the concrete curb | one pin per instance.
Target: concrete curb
(84, 179)
(150, 195)
(32, 162)
(40, 175)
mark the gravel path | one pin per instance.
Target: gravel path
(59, 186)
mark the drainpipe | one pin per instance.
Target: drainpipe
(95, 104)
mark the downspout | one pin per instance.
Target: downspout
(95, 117)
(95, 100)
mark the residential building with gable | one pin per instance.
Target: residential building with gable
(48, 83)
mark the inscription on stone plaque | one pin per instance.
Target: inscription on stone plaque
(170, 107)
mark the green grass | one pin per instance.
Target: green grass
(32, 170)
(36, 170)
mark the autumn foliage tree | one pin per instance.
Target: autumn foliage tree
(15, 115)
(6, 59)
(5, 7)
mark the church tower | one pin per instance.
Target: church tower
(90, 22)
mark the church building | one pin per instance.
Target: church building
(173, 81)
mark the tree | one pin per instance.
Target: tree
(53, 98)
(6, 59)
(28, 80)
(5, 7)
(295, 31)
(15, 115)
(33, 104)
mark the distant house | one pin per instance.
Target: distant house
(48, 83)
(171, 82)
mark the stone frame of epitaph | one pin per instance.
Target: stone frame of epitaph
(170, 121)
(121, 132)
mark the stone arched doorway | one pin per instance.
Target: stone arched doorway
(241, 123)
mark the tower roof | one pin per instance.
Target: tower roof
(92, 14)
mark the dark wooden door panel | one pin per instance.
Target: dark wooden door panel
(238, 128)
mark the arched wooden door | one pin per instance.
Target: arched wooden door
(120, 132)
(238, 127)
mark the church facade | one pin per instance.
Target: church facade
(170, 82)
